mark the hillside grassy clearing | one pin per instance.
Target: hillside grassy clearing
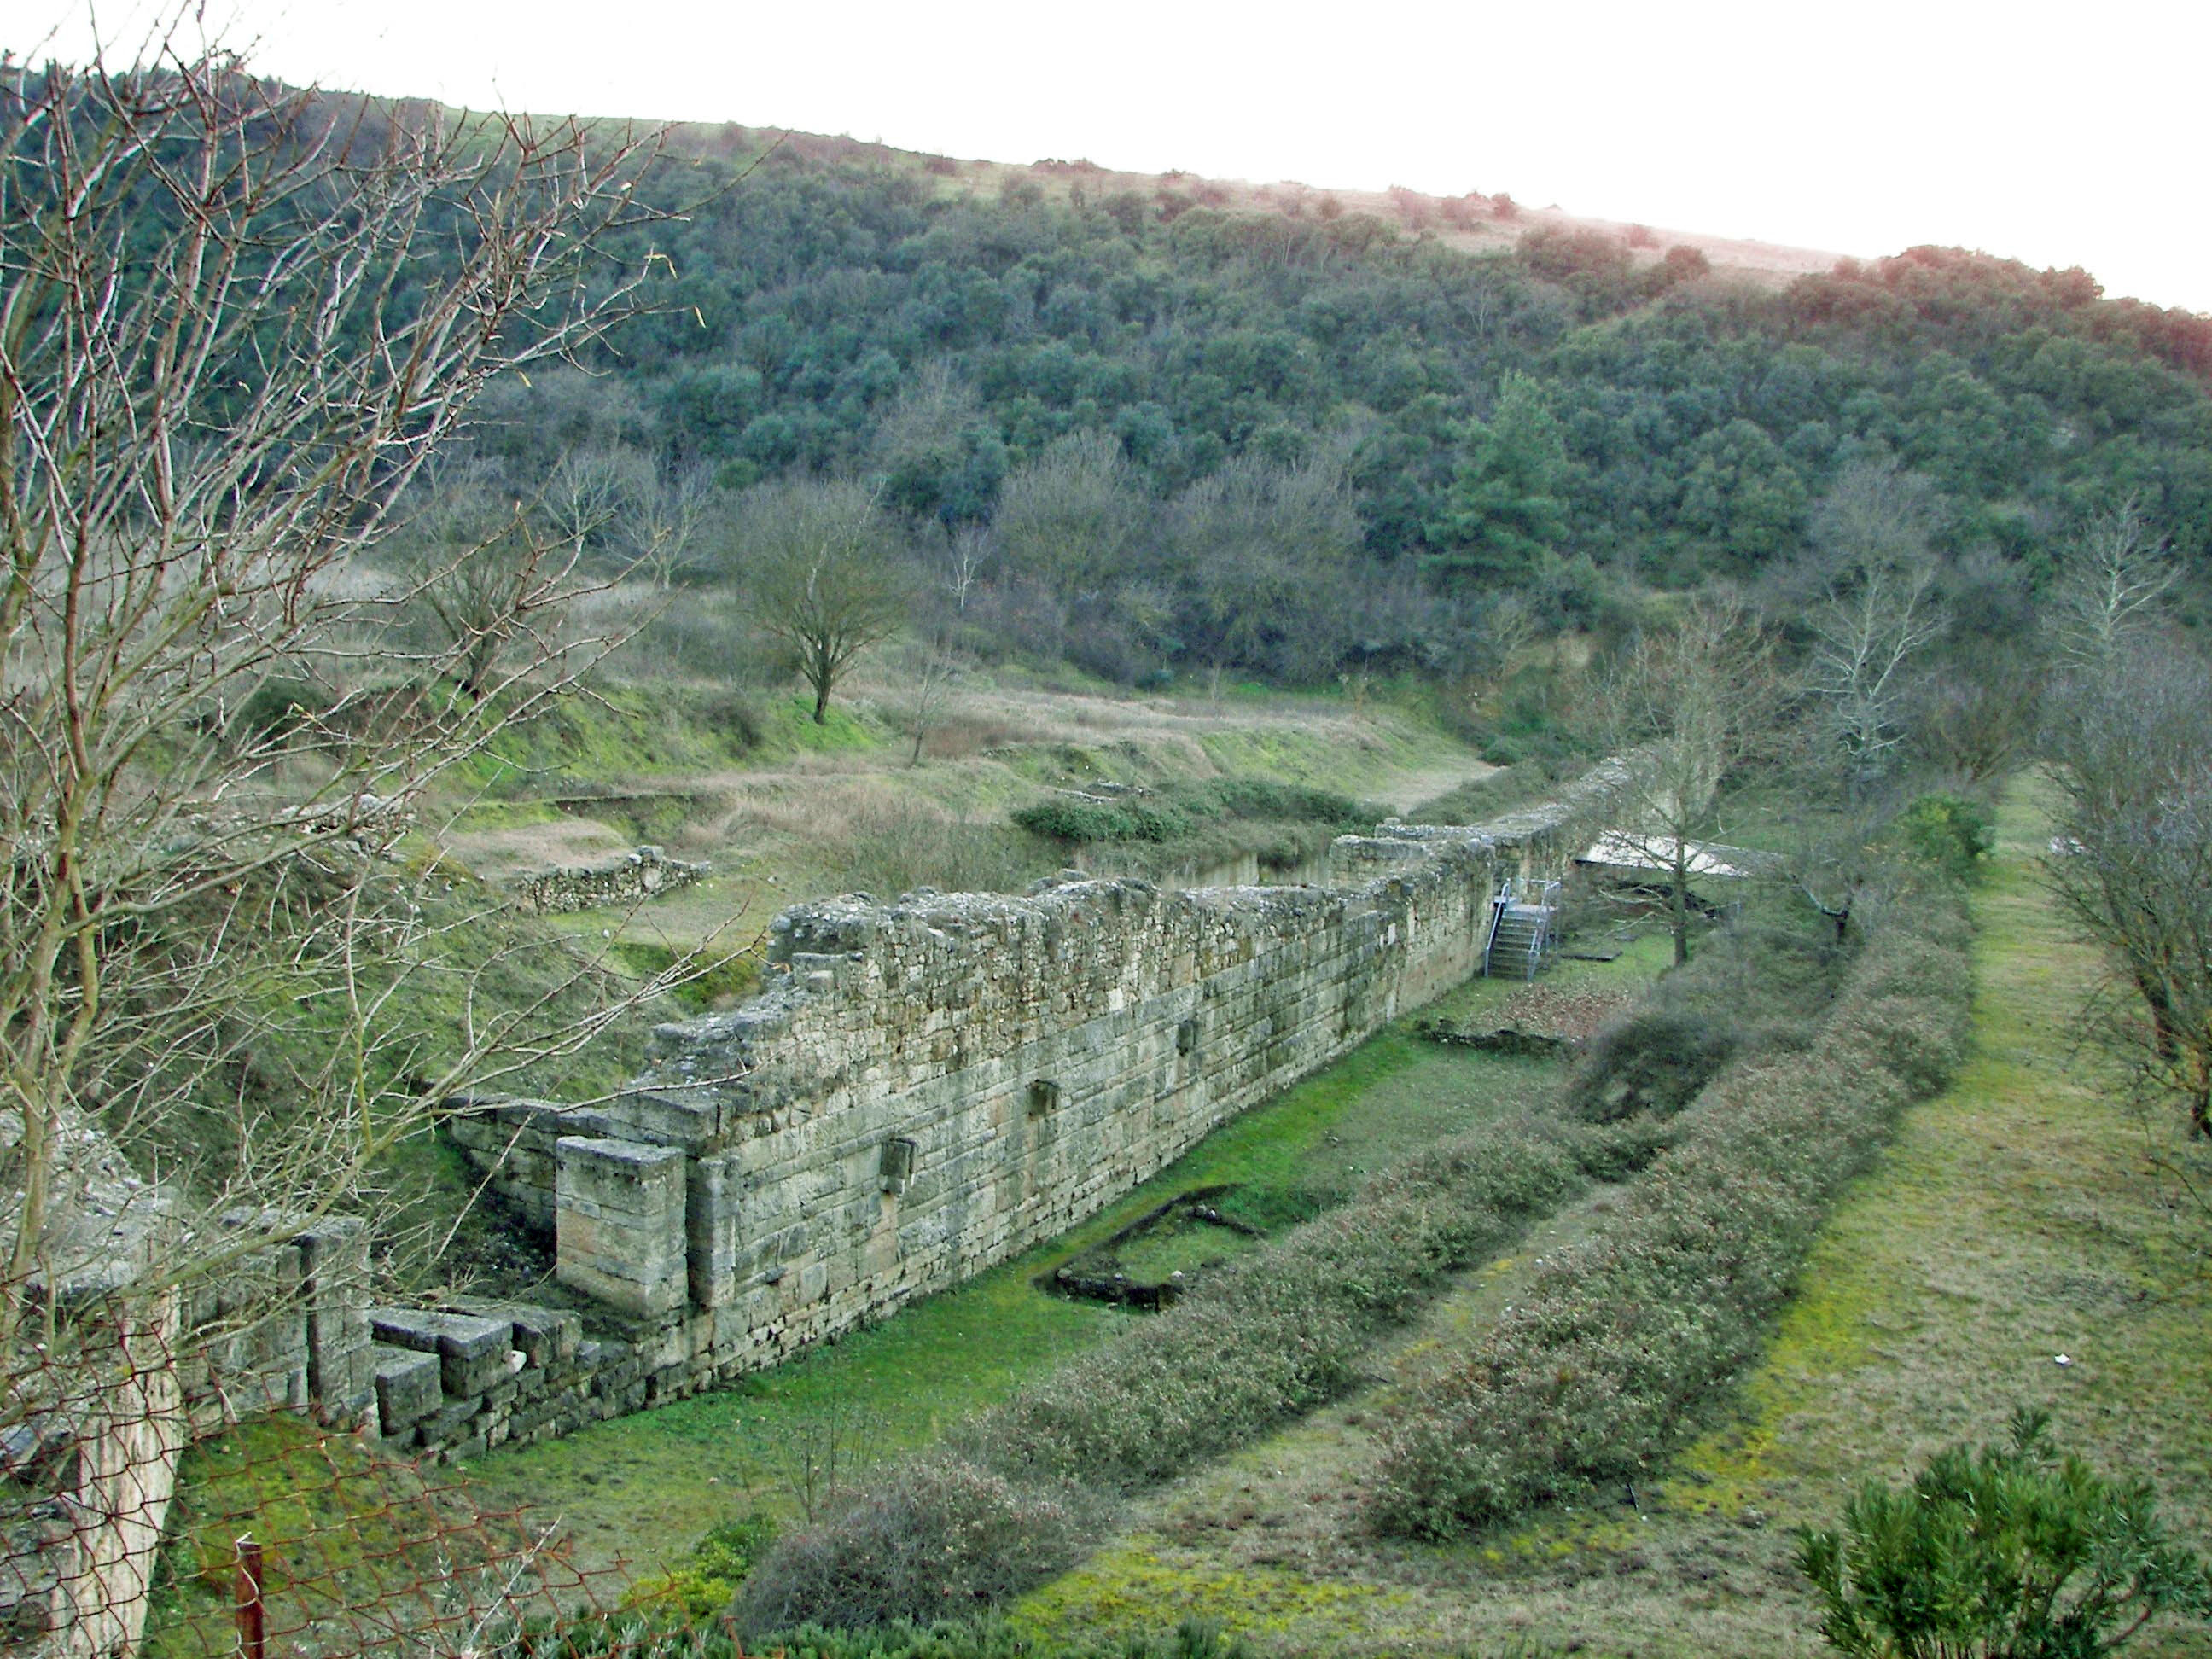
(2015, 1218)
(784, 811)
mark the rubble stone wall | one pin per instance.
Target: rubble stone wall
(627, 879)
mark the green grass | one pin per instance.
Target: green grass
(2019, 1217)
(1178, 1243)
(357, 1547)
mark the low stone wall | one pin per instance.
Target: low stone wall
(627, 879)
(284, 1329)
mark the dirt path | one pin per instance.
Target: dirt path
(1411, 789)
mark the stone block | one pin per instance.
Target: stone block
(689, 1118)
(341, 1369)
(255, 1324)
(547, 1338)
(407, 1387)
(712, 1206)
(451, 1420)
(620, 1225)
(472, 1351)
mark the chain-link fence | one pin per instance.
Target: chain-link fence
(140, 1513)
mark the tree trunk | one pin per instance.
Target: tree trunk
(1677, 906)
(2165, 1043)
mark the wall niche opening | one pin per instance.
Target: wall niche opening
(897, 1166)
(1044, 1096)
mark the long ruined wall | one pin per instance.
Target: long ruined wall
(929, 1087)
(941, 1083)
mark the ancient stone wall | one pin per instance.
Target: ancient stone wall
(928, 1087)
(936, 1085)
(626, 880)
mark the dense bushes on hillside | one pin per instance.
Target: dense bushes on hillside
(1299, 447)
(1301, 444)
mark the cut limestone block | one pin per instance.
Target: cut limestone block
(407, 1388)
(472, 1351)
(620, 1223)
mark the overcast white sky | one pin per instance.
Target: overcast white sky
(2058, 135)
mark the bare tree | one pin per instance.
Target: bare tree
(2116, 577)
(1071, 516)
(1875, 619)
(966, 553)
(1972, 718)
(586, 490)
(2132, 858)
(1875, 514)
(1683, 707)
(476, 574)
(820, 565)
(925, 684)
(667, 519)
(214, 387)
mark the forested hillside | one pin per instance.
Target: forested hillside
(1155, 432)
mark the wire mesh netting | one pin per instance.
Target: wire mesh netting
(139, 1513)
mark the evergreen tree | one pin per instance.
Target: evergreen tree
(1503, 514)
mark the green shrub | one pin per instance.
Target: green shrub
(2007, 1553)
(1177, 812)
(1754, 991)
(1276, 1334)
(1292, 803)
(1653, 1060)
(1598, 1368)
(1284, 1329)
(277, 707)
(734, 717)
(939, 1538)
(704, 1583)
(1085, 823)
(1948, 833)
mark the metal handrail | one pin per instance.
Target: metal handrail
(1541, 896)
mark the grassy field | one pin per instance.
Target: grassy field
(2019, 1215)
(645, 1487)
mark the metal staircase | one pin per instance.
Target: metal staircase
(1520, 929)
